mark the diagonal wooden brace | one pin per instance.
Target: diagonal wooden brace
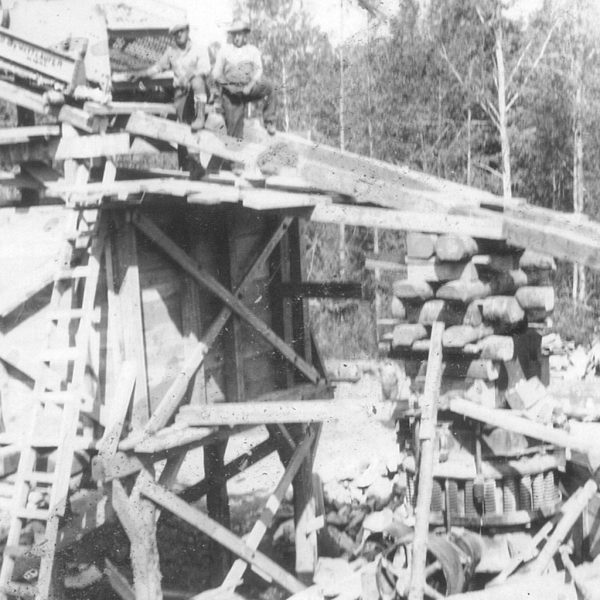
(267, 515)
(148, 228)
(174, 395)
(221, 534)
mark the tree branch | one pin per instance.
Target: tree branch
(536, 62)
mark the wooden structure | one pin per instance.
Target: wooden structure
(178, 314)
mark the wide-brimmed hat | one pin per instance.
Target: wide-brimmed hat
(179, 25)
(239, 26)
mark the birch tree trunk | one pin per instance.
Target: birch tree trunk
(502, 111)
(579, 280)
(285, 100)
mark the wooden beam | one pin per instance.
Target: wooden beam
(201, 141)
(149, 229)
(94, 146)
(221, 534)
(174, 395)
(507, 419)
(205, 193)
(259, 413)
(127, 108)
(138, 517)
(14, 94)
(400, 220)
(427, 437)
(368, 179)
(559, 239)
(320, 289)
(124, 251)
(21, 135)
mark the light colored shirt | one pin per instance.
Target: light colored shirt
(238, 66)
(185, 63)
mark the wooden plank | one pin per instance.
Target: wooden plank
(231, 300)
(91, 146)
(127, 108)
(397, 220)
(507, 419)
(258, 199)
(385, 183)
(221, 534)
(14, 94)
(259, 413)
(125, 252)
(575, 244)
(21, 135)
(78, 118)
(202, 192)
(119, 406)
(433, 270)
(427, 437)
(201, 141)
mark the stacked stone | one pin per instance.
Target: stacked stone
(493, 300)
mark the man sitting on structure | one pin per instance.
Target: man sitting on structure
(239, 73)
(190, 65)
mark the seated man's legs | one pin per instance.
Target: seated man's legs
(263, 90)
(234, 105)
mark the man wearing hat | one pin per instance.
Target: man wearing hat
(238, 71)
(190, 65)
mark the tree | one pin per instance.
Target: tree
(488, 84)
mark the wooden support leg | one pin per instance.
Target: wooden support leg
(304, 520)
(217, 503)
(137, 515)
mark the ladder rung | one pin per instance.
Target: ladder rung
(51, 354)
(37, 514)
(74, 273)
(39, 477)
(20, 589)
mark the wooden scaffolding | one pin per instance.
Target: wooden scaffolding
(180, 310)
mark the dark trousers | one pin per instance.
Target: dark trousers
(234, 104)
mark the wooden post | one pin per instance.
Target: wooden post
(137, 514)
(427, 436)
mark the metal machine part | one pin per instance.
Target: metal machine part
(451, 562)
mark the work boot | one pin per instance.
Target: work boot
(198, 122)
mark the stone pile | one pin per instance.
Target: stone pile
(496, 302)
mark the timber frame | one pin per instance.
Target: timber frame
(221, 258)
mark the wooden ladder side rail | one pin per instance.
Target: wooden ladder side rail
(154, 233)
(427, 437)
(176, 392)
(71, 411)
(220, 534)
(253, 539)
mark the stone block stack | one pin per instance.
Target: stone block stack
(495, 301)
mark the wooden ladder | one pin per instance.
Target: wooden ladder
(41, 490)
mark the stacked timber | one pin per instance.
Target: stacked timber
(494, 300)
